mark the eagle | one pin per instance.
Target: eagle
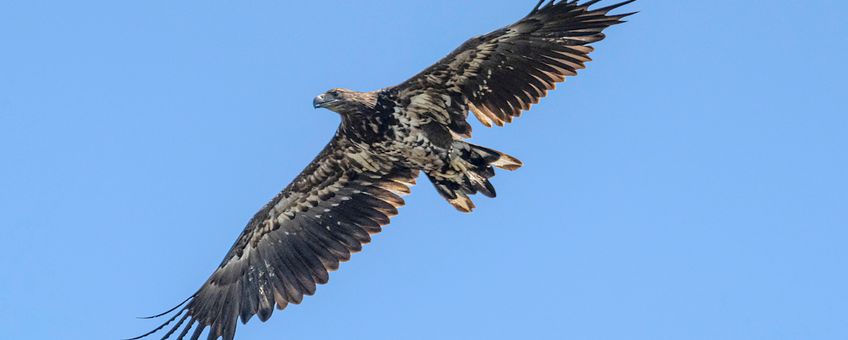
(386, 137)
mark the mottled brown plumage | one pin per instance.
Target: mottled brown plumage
(386, 137)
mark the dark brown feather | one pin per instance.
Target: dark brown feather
(292, 244)
(503, 73)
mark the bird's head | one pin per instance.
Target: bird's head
(343, 100)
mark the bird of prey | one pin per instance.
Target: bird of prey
(386, 137)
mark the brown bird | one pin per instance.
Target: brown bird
(385, 138)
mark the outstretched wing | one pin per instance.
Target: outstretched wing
(501, 74)
(288, 247)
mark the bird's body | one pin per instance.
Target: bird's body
(393, 127)
(386, 137)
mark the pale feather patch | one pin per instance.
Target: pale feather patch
(463, 203)
(507, 162)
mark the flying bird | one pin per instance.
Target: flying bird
(386, 137)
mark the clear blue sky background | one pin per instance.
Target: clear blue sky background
(690, 184)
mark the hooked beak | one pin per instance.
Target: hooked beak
(321, 101)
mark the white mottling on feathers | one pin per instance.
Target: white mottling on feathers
(447, 99)
(364, 160)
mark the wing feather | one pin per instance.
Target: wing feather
(292, 244)
(501, 74)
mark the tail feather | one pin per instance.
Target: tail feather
(507, 162)
(469, 172)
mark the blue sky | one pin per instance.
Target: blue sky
(690, 184)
